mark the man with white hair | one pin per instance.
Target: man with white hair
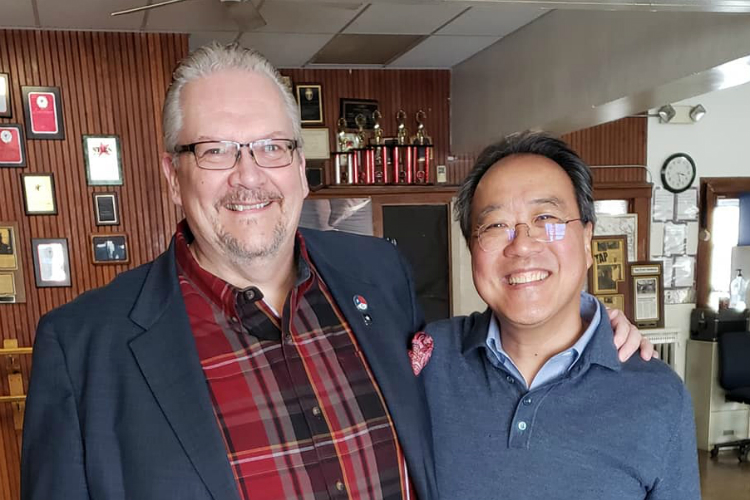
(251, 360)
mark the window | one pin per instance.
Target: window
(725, 234)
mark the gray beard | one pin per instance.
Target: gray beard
(240, 253)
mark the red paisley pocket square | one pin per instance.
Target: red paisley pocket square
(420, 352)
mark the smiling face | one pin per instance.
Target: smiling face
(528, 283)
(247, 212)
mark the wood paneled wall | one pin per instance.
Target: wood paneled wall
(111, 83)
(410, 90)
(614, 144)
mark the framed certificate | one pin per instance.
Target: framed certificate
(51, 262)
(310, 102)
(109, 249)
(42, 108)
(39, 194)
(316, 143)
(101, 154)
(648, 296)
(5, 107)
(106, 211)
(12, 148)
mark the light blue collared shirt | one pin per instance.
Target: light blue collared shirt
(557, 365)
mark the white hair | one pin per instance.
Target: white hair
(210, 59)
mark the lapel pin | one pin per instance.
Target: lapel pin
(360, 303)
(367, 318)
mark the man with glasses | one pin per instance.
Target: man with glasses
(529, 398)
(252, 360)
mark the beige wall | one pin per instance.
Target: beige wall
(574, 69)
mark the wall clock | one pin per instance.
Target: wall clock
(678, 172)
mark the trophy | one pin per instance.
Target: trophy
(378, 151)
(343, 157)
(363, 168)
(422, 151)
(401, 153)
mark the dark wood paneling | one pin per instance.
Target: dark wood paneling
(410, 90)
(111, 83)
(618, 143)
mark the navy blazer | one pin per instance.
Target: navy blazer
(119, 408)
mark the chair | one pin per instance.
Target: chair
(734, 377)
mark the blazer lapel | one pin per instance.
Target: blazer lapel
(168, 359)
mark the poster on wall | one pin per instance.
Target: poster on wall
(102, 157)
(42, 107)
(12, 149)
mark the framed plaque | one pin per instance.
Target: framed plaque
(316, 143)
(109, 249)
(8, 247)
(310, 102)
(101, 154)
(42, 108)
(106, 212)
(287, 82)
(5, 106)
(12, 147)
(648, 295)
(350, 108)
(39, 194)
(51, 262)
(12, 288)
(608, 277)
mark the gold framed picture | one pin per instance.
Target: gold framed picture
(608, 276)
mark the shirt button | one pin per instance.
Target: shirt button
(510, 379)
(316, 411)
(521, 426)
(250, 294)
(288, 338)
(234, 319)
(527, 401)
(339, 486)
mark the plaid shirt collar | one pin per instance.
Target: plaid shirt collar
(218, 291)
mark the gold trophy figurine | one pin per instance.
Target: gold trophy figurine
(421, 138)
(377, 136)
(342, 134)
(403, 132)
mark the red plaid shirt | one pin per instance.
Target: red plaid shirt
(299, 409)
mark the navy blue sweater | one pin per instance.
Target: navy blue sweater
(605, 430)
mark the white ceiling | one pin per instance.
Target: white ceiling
(296, 29)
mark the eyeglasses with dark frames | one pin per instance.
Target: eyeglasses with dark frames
(223, 155)
(543, 228)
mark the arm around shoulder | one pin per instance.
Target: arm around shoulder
(52, 461)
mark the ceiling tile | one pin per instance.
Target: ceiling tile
(404, 19)
(285, 50)
(365, 49)
(189, 16)
(88, 14)
(443, 51)
(17, 14)
(299, 17)
(201, 38)
(492, 20)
